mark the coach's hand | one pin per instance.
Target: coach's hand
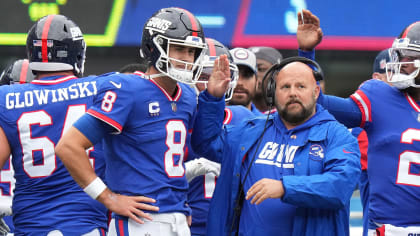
(309, 32)
(220, 77)
(265, 188)
(130, 206)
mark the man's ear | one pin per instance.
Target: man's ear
(376, 75)
(316, 91)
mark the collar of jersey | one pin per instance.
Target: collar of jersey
(53, 79)
(412, 102)
(170, 98)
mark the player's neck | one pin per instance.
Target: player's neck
(414, 93)
(41, 75)
(168, 84)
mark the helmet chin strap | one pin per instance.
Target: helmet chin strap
(156, 75)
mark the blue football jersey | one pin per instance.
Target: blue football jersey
(202, 187)
(391, 120)
(145, 154)
(34, 116)
(7, 185)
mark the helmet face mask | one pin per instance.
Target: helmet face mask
(165, 63)
(55, 43)
(404, 67)
(171, 27)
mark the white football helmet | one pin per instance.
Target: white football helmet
(405, 52)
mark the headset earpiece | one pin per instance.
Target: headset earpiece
(269, 82)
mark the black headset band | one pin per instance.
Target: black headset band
(269, 86)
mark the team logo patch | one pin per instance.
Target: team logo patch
(316, 152)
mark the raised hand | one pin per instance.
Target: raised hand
(309, 33)
(220, 77)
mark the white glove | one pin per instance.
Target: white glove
(5, 209)
(4, 229)
(200, 166)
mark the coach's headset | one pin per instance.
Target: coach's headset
(269, 87)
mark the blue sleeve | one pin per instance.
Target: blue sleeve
(307, 54)
(345, 110)
(92, 128)
(208, 127)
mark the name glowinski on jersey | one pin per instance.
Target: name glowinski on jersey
(44, 96)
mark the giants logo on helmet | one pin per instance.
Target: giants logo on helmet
(158, 24)
(76, 33)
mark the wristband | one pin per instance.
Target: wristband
(95, 188)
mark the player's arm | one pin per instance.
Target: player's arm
(209, 121)
(345, 110)
(71, 149)
(4, 156)
(4, 148)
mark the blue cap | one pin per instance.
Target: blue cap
(380, 61)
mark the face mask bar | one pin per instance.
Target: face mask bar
(208, 69)
(190, 71)
(396, 69)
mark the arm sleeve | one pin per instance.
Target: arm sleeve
(307, 54)
(206, 137)
(345, 110)
(92, 128)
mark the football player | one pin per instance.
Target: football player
(201, 188)
(33, 117)
(17, 73)
(392, 122)
(144, 120)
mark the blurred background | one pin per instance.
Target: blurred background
(354, 31)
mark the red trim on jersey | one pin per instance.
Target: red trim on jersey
(362, 139)
(228, 116)
(23, 72)
(44, 38)
(380, 231)
(212, 48)
(193, 22)
(272, 111)
(105, 119)
(363, 103)
(55, 81)
(139, 73)
(177, 95)
(412, 102)
(408, 29)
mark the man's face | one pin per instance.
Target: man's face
(245, 89)
(181, 54)
(262, 68)
(296, 93)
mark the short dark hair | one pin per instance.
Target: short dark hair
(131, 68)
